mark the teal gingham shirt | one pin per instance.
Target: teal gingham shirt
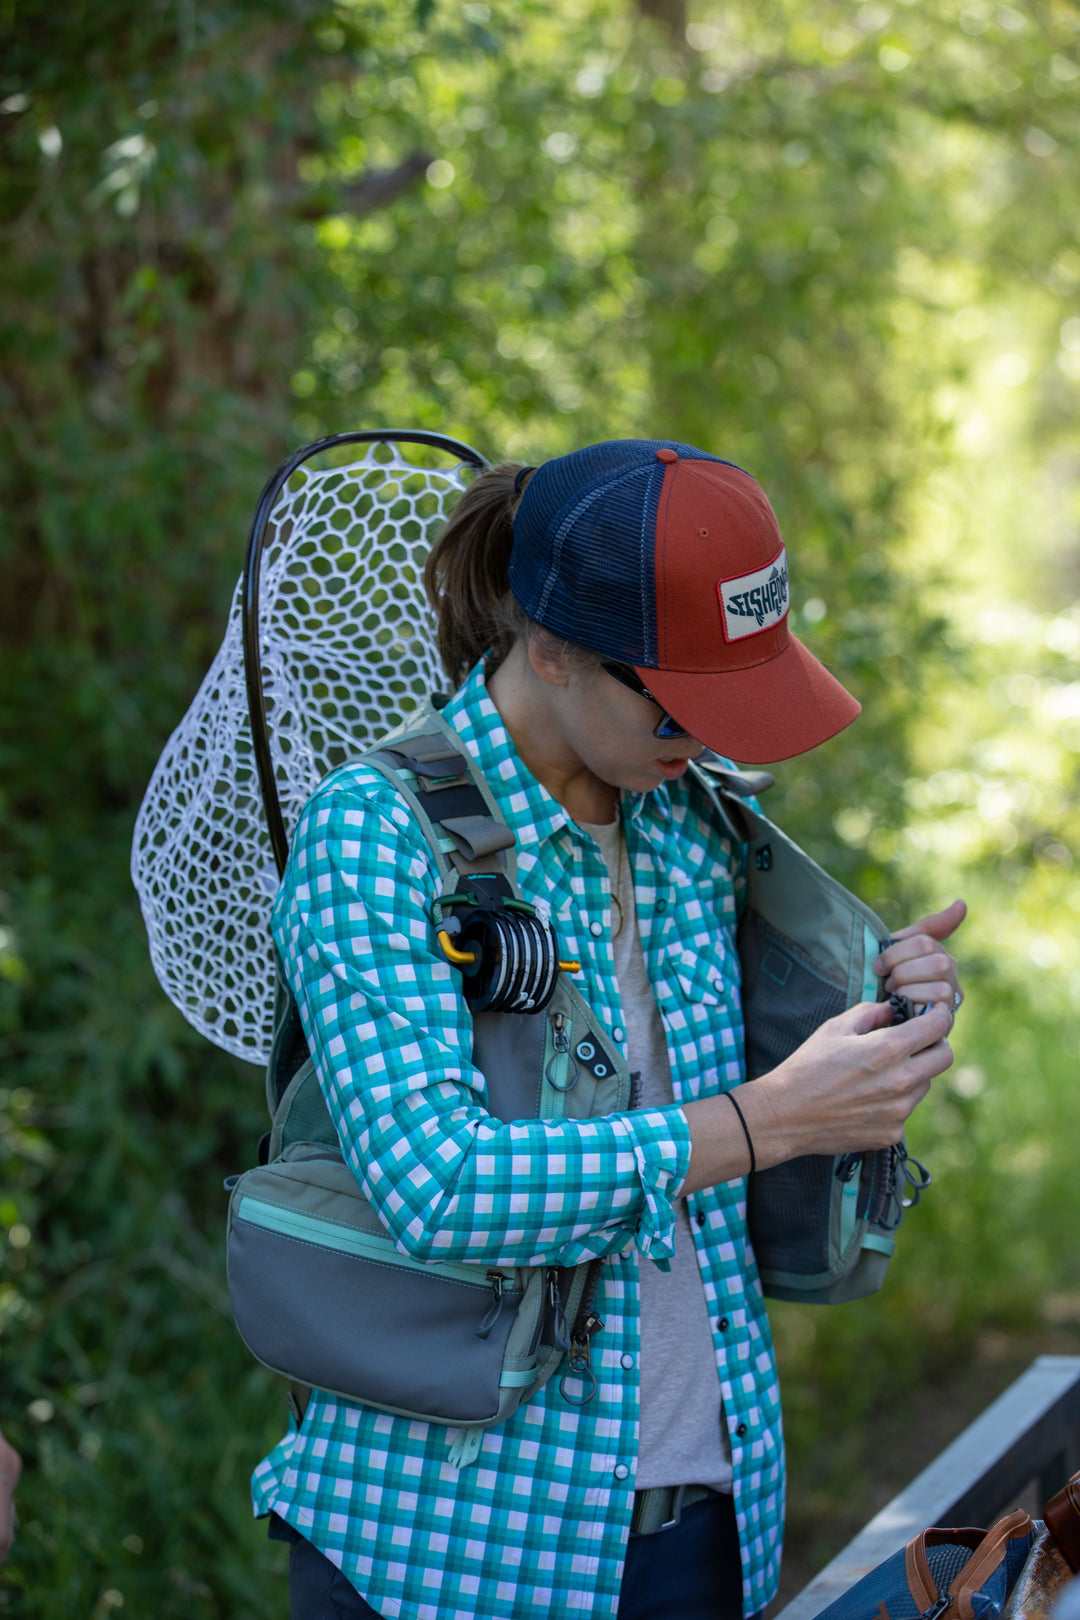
(538, 1524)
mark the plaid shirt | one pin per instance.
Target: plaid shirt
(538, 1524)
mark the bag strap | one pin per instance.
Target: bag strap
(451, 800)
(988, 1548)
(787, 887)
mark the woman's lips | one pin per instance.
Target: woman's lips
(671, 769)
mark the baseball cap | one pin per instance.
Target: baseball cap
(668, 559)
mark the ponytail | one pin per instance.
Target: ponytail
(467, 576)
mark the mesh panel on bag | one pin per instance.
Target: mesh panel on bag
(600, 590)
(785, 995)
(796, 1233)
(946, 1562)
(785, 998)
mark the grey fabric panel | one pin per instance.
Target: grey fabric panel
(478, 836)
(325, 1188)
(806, 905)
(508, 1049)
(785, 998)
(865, 1277)
(796, 895)
(302, 1115)
(592, 1098)
(368, 1331)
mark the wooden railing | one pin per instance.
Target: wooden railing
(1030, 1436)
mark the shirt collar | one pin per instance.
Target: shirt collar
(529, 810)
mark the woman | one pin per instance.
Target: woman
(608, 616)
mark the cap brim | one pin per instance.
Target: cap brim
(770, 711)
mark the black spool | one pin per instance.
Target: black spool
(517, 961)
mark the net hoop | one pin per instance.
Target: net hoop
(329, 644)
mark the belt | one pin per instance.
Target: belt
(663, 1506)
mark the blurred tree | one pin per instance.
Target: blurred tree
(800, 236)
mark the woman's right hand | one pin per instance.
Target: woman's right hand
(853, 1085)
(850, 1087)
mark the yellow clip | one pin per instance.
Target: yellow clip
(569, 967)
(452, 954)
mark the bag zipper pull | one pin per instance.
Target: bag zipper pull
(579, 1361)
(560, 1337)
(561, 1059)
(494, 1310)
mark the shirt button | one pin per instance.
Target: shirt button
(661, 907)
(700, 1217)
(627, 1360)
(618, 1033)
(724, 1323)
(742, 1431)
(596, 929)
(621, 1471)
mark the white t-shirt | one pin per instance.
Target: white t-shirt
(683, 1440)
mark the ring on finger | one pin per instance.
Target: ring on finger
(957, 998)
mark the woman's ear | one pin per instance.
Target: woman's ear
(547, 658)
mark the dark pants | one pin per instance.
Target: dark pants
(690, 1572)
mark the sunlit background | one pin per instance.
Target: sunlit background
(834, 242)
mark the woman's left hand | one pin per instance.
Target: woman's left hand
(917, 965)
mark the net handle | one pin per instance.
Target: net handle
(256, 697)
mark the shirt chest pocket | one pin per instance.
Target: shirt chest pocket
(702, 975)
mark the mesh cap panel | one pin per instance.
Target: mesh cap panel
(584, 545)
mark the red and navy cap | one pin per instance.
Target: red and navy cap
(660, 556)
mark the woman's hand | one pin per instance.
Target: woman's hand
(917, 965)
(853, 1085)
(849, 1088)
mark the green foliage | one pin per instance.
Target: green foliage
(833, 243)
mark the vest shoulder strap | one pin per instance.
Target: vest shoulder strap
(448, 795)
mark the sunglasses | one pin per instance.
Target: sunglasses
(668, 727)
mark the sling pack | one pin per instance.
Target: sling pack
(319, 1290)
(822, 1226)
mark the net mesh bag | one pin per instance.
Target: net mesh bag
(348, 652)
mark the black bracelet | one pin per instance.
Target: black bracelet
(730, 1095)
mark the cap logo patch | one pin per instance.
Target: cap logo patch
(754, 602)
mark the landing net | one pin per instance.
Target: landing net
(348, 652)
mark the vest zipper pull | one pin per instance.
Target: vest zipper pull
(562, 1072)
(579, 1361)
(494, 1310)
(560, 1337)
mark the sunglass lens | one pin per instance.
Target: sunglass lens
(669, 728)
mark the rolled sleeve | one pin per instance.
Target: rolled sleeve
(662, 1150)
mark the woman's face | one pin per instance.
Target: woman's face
(610, 730)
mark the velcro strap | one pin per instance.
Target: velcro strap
(478, 836)
(460, 800)
(429, 755)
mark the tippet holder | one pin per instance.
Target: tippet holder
(507, 952)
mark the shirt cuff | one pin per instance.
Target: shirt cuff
(662, 1151)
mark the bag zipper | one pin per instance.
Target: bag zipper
(375, 1246)
(561, 1072)
(586, 1326)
